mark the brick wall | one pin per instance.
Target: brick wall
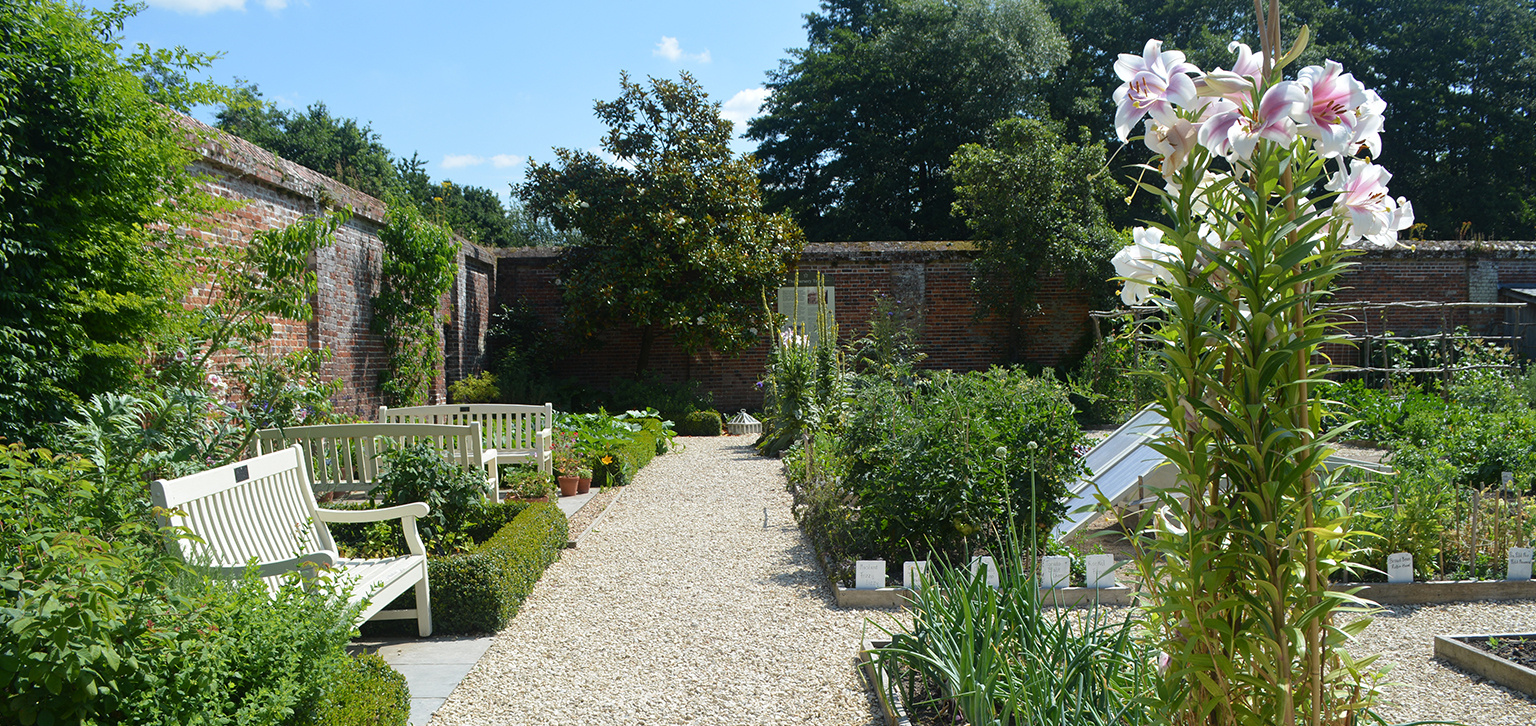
(270, 192)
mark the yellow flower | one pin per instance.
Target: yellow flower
(607, 460)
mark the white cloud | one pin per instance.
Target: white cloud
(744, 105)
(454, 161)
(669, 49)
(502, 161)
(203, 7)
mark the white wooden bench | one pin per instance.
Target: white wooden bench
(519, 433)
(263, 511)
(346, 457)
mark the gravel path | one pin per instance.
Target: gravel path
(680, 608)
(1425, 688)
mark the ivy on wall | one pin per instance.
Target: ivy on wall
(417, 271)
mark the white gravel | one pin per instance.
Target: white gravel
(1421, 687)
(679, 608)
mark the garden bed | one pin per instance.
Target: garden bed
(1504, 658)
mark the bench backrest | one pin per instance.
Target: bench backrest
(506, 426)
(346, 457)
(261, 508)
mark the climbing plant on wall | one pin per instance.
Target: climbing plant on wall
(417, 271)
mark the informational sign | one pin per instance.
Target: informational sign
(912, 573)
(869, 574)
(1508, 478)
(1399, 567)
(1055, 571)
(990, 564)
(1519, 563)
(1101, 570)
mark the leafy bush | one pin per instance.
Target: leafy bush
(1108, 379)
(475, 389)
(418, 473)
(479, 523)
(366, 692)
(480, 590)
(102, 625)
(527, 483)
(701, 423)
(936, 463)
(417, 270)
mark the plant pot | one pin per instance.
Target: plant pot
(568, 485)
(583, 484)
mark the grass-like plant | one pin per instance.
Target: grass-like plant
(1004, 655)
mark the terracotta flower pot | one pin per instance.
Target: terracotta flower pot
(568, 485)
(583, 485)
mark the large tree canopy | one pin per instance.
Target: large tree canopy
(674, 237)
(861, 124)
(88, 161)
(1036, 204)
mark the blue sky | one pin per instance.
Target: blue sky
(478, 88)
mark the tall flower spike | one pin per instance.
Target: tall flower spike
(1155, 82)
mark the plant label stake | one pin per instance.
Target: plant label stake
(991, 566)
(1055, 572)
(869, 574)
(1508, 478)
(1519, 564)
(1101, 570)
(1399, 567)
(912, 573)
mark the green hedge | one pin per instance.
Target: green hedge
(483, 521)
(633, 455)
(480, 590)
(700, 423)
(366, 692)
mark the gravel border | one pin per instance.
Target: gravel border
(680, 607)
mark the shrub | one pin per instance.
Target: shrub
(620, 462)
(701, 423)
(480, 522)
(475, 389)
(527, 483)
(924, 460)
(673, 400)
(418, 473)
(366, 692)
(480, 590)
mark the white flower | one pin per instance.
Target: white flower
(1369, 118)
(1155, 82)
(1142, 263)
(1329, 114)
(1365, 207)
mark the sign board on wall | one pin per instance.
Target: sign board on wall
(802, 305)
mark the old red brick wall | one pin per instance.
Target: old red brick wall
(270, 193)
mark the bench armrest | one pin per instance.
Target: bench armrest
(488, 457)
(414, 509)
(542, 439)
(406, 513)
(276, 567)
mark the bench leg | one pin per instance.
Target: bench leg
(424, 604)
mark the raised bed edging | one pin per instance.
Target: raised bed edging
(1441, 591)
(1495, 668)
(891, 708)
(896, 597)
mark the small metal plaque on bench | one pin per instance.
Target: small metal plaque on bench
(463, 409)
(242, 473)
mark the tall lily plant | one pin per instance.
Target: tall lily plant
(1269, 188)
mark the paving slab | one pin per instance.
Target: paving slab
(432, 667)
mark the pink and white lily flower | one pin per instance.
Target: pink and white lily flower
(1139, 264)
(1366, 208)
(1329, 115)
(1234, 134)
(1369, 119)
(1155, 81)
(1237, 84)
(1173, 142)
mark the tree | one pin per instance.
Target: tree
(861, 124)
(673, 235)
(347, 151)
(1036, 205)
(92, 174)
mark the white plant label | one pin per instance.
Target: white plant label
(912, 573)
(1101, 570)
(869, 574)
(1399, 567)
(1519, 563)
(1055, 571)
(991, 566)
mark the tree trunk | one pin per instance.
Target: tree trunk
(647, 337)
